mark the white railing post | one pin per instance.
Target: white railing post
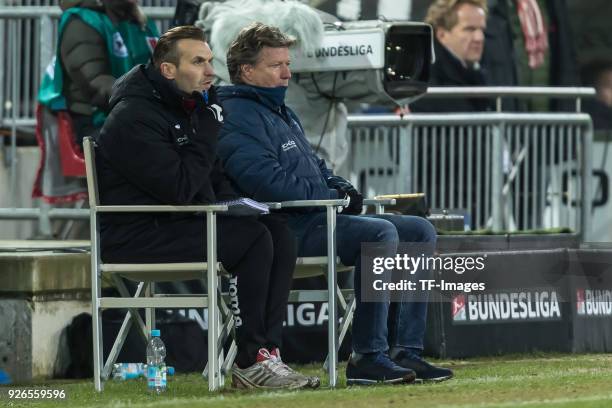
(47, 51)
(497, 176)
(405, 182)
(586, 176)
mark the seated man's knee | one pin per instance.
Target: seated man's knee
(383, 231)
(281, 233)
(250, 235)
(257, 231)
(429, 231)
(425, 230)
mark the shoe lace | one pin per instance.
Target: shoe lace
(278, 368)
(418, 358)
(275, 356)
(385, 361)
(284, 368)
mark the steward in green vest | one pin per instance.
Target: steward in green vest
(98, 42)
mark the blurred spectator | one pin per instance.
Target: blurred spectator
(564, 69)
(100, 40)
(598, 74)
(459, 27)
(530, 43)
(499, 56)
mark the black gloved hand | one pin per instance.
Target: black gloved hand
(355, 203)
(340, 184)
(346, 190)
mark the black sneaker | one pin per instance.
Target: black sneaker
(375, 368)
(424, 371)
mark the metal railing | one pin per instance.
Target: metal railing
(515, 92)
(508, 171)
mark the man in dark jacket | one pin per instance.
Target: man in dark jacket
(268, 157)
(158, 146)
(459, 41)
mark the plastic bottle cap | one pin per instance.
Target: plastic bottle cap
(170, 370)
(154, 333)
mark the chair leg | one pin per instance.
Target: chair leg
(128, 320)
(207, 320)
(117, 346)
(96, 312)
(347, 321)
(226, 368)
(213, 309)
(220, 350)
(123, 291)
(150, 311)
(213, 338)
(97, 346)
(332, 324)
(226, 324)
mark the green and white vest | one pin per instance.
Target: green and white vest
(127, 45)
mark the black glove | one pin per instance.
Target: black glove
(355, 203)
(340, 184)
(346, 190)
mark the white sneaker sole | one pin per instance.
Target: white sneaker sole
(366, 381)
(243, 383)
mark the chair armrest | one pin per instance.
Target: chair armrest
(314, 203)
(161, 208)
(379, 201)
(274, 205)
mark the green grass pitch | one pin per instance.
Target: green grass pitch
(537, 380)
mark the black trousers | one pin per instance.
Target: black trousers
(259, 253)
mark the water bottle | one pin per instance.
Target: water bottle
(156, 368)
(129, 371)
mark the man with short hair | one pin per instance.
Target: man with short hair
(459, 27)
(158, 146)
(268, 157)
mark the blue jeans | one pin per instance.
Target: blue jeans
(376, 325)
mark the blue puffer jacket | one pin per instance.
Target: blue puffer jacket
(265, 152)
